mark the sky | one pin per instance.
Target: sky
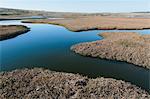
(90, 6)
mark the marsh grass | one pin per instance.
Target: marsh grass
(10, 31)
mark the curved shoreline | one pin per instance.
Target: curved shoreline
(37, 82)
(130, 47)
(11, 31)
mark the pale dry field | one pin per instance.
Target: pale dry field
(98, 23)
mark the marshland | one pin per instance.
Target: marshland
(74, 55)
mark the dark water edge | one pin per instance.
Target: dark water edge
(48, 46)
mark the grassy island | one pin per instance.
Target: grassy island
(130, 47)
(10, 31)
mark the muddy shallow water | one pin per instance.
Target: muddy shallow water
(48, 46)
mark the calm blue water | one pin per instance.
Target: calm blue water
(48, 46)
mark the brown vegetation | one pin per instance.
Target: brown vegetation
(130, 47)
(9, 31)
(45, 84)
(98, 23)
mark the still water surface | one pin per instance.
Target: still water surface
(48, 46)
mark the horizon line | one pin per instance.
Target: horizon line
(74, 11)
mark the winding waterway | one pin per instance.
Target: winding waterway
(48, 46)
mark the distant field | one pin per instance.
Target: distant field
(6, 13)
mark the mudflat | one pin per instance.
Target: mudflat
(10, 31)
(97, 23)
(123, 46)
(43, 84)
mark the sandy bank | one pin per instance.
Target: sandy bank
(10, 31)
(130, 47)
(98, 23)
(45, 84)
